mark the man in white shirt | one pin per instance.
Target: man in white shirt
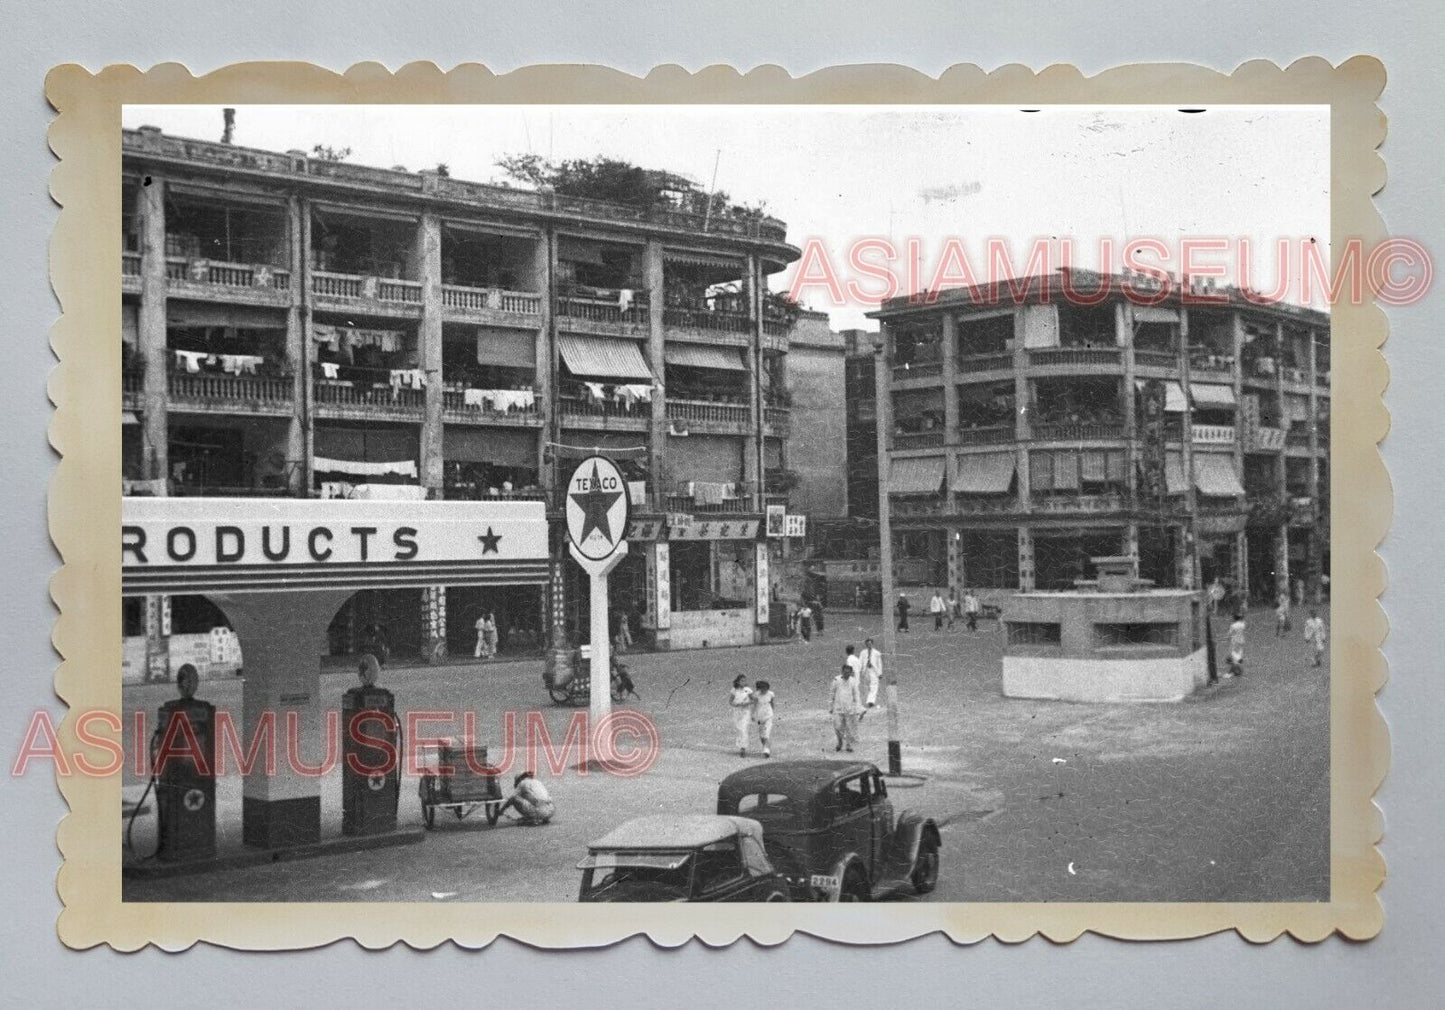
(844, 706)
(935, 607)
(871, 662)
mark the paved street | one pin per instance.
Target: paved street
(1221, 798)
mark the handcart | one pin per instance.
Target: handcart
(576, 690)
(468, 785)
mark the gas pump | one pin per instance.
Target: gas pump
(371, 755)
(183, 768)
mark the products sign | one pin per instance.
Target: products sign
(716, 529)
(776, 521)
(796, 526)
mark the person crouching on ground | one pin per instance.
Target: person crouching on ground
(762, 713)
(1315, 635)
(531, 800)
(741, 701)
(844, 706)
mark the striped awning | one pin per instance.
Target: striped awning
(728, 359)
(603, 357)
(916, 475)
(1211, 394)
(1214, 475)
(985, 473)
(1174, 401)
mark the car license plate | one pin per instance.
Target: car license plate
(823, 882)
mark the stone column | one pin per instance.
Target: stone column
(1189, 539)
(298, 342)
(957, 580)
(1023, 416)
(653, 274)
(1124, 337)
(151, 332)
(429, 339)
(546, 403)
(753, 467)
(948, 348)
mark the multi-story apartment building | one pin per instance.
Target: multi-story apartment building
(294, 326)
(1029, 434)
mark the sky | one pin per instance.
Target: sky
(836, 174)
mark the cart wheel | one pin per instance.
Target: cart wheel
(458, 812)
(428, 815)
(494, 814)
(560, 695)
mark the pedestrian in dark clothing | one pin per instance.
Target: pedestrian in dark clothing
(902, 609)
(817, 608)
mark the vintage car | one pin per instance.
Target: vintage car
(830, 828)
(682, 857)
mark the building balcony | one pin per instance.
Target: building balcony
(1045, 431)
(1091, 504)
(775, 335)
(732, 327)
(130, 272)
(584, 412)
(227, 394)
(605, 313)
(970, 364)
(1168, 360)
(920, 507)
(340, 398)
(690, 505)
(917, 370)
(989, 435)
(491, 305)
(250, 283)
(374, 295)
(1297, 438)
(708, 416)
(492, 407)
(976, 505)
(1211, 366)
(1076, 357)
(918, 439)
(132, 385)
(777, 421)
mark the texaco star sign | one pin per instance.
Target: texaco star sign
(597, 508)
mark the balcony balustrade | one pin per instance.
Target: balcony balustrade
(270, 393)
(705, 319)
(213, 273)
(355, 287)
(918, 370)
(1082, 356)
(778, 418)
(460, 298)
(686, 503)
(604, 310)
(996, 362)
(1093, 503)
(991, 435)
(1156, 359)
(455, 408)
(1072, 432)
(1266, 440)
(130, 264)
(917, 439)
(707, 412)
(341, 396)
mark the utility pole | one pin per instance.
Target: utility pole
(883, 415)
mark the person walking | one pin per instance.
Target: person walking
(486, 637)
(741, 701)
(1315, 635)
(951, 607)
(871, 662)
(971, 608)
(816, 606)
(902, 607)
(1236, 646)
(844, 707)
(762, 714)
(805, 621)
(936, 607)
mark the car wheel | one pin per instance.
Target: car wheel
(777, 896)
(855, 886)
(925, 867)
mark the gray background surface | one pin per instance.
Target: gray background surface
(1400, 968)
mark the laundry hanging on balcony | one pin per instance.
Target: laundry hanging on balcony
(191, 361)
(340, 338)
(603, 357)
(408, 378)
(631, 393)
(240, 364)
(330, 369)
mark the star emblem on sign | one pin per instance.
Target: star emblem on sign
(489, 541)
(595, 504)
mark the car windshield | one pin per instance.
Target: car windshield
(636, 876)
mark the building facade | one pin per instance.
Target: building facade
(294, 326)
(1029, 433)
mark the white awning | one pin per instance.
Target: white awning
(918, 475)
(728, 359)
(401, 467)
(1174, 402)
(603, 357)
(1174, 480)
(1208, 395)
(1214, 475)
(985, 473)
